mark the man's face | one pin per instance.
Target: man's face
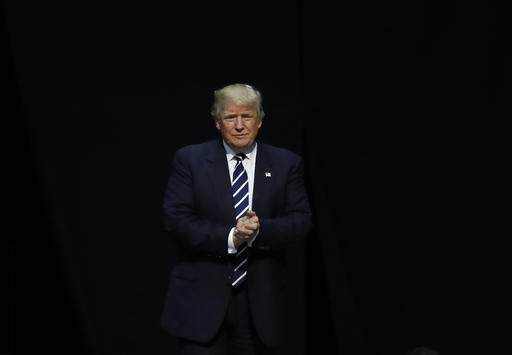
(238, 125)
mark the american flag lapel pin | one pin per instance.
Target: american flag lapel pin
(267, 174)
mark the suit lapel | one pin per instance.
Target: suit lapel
(216, 169)
(262, 178)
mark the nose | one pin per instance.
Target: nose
(239, 124)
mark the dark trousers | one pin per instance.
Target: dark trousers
(237, 335)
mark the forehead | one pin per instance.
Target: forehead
(235, 108)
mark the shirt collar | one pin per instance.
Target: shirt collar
(249, 153)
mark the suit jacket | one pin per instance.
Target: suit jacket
(199, 214)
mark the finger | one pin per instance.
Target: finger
(248, 226)
(241, 237)
(246, 233)
(252, 226)
(244, 238)
(242, 231)
(251, 213)
(242, 219)
(241, 222)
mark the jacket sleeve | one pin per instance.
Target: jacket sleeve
(295, 223)
(180, 213)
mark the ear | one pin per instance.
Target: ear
(217, 124)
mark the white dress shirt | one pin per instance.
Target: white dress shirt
(249, 165)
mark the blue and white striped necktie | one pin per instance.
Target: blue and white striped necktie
(240, 188)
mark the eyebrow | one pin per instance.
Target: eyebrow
(229, 114)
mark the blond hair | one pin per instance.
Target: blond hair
(237, 94)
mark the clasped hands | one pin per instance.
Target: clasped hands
(246, 228)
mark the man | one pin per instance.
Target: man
(232, 205)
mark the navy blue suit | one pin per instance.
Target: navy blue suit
(199, 214)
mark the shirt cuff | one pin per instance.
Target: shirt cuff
(231, 244)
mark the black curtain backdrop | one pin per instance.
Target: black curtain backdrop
(396, 107)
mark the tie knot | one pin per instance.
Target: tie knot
(240, 156)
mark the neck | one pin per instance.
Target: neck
(239, 150)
